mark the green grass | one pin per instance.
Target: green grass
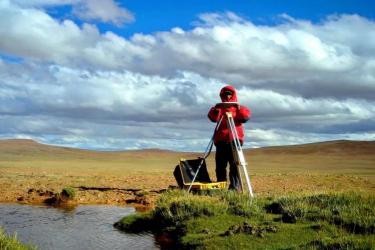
(11, 243)
(353, 212)
(69, 192)
(227, 220)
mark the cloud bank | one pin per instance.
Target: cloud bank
(70, 84)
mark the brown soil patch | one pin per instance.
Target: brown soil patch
(142, 190)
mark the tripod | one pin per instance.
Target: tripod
(238, 155)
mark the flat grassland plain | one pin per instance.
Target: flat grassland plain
(30, 172)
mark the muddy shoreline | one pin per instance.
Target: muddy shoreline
(141, 199)
(143, 191)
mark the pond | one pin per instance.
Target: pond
(81, 227)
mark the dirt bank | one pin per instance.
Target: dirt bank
(26, 186)
(31, 187)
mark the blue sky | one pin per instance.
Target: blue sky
(168, 14)
(154, 16)
(113, 75)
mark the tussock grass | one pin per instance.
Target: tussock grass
(346, 242)
(69, 192)
(352, 211)
(228, 220)
(136, 223)
(179, 206)
(240, 204)
(12, 243)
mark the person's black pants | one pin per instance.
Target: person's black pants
(224, 156)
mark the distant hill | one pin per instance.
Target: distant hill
(26, 147)
(343, 157)
(16, 148)
(344, 147)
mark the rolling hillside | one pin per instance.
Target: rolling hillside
(345, 157)
(340, 147)
(26, 147)
(30, 148)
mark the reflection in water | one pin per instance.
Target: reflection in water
(83, 227)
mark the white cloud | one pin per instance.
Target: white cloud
(34, 34)
(276, 106)
(279, 137)
(45, 102)
(107, 11)
(42, 3)
(307, 59)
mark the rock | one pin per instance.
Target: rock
(45, 193)
(271, 229)
(275, 208)
(288, 217)
(235, 229)
(52, 201)
(144, 200)
(228, 233)
(316, 227)
(260, 235)
(20, 198)
(249, 229)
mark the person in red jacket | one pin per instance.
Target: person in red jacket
(223, 138)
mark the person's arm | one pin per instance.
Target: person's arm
(243, 114)
(214, 114)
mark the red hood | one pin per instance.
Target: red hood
(230, 88)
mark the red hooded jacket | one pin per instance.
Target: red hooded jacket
(240, 115)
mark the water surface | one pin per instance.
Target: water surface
(82, 227)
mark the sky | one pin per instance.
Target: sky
(136, 74)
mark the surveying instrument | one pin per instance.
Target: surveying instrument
(193, 175)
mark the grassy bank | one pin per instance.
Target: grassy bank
(227, 220)
(11, 243)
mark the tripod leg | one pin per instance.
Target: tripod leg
(237, 151)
